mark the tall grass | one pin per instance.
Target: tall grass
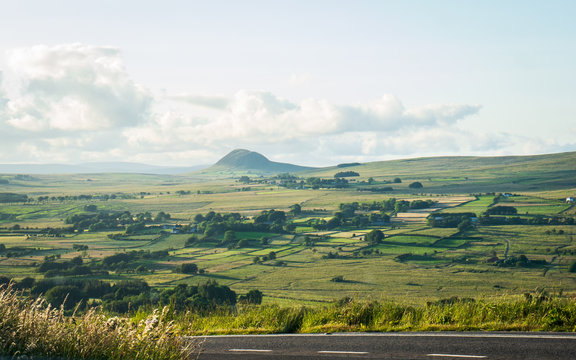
(504, 314)
(33, 328)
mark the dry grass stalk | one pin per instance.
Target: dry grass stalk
(32, 327)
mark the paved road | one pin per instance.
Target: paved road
(430, 346)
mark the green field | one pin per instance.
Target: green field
(414, 261)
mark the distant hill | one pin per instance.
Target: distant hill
(94, 168)
(472, 174)
(246, 160)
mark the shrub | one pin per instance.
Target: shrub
(416, 185)
(252, 297)
(189, 268)
(374, 237)
(64, 295)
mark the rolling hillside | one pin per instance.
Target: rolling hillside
(474, 174)
(250, 161)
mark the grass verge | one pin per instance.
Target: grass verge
(538, 313)
(31, 327)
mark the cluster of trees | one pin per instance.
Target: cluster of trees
(73, 267)
(317, 183)
(260, 259)
(342, 174)
(53, 266)
(390, 205)
(85, 197)
(501, 210)
(520, 261)
(347, 216)
(451, 220)
(202, 297)
(111, 221)
(486, 219)
(12, 198)
(348, 165)
(213, 224)
(376, 189)
(129, 295)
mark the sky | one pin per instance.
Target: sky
(182, 83)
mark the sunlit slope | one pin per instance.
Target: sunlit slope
(471, 174)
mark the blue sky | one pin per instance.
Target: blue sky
(310, 82)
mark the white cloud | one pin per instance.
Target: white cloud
(215, 102)
(262, 117)
(73, 87)
(77, 103)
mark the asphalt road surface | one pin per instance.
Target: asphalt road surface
(430, 346)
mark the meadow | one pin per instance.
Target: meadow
(414, 261)
(484, 244)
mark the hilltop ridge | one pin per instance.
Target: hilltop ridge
(242, 159)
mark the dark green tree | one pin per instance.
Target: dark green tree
(252, 297)
(374, 237)
(189, 268)
(416, 185)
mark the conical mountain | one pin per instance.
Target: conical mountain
(241, 159)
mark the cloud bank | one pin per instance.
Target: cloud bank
(76, 103)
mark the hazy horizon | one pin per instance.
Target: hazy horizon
(182, 83)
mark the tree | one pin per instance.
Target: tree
(295, 209)
(276, 216)
(162, 216)
(374, 237)
(572, 267)
(243, 243)
(189, 268)
(229, 236)
(333, 223)
(217, 294)
(91, 208)
(252, 297)
(342, 174)
(244, 179)
(397, 180)
(66, 295)
(416, 185)
(502, 210)
(464, 225)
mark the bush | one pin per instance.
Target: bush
(572, 268)
(66, 295)
(252, 297)
(189, 268)
(416, 185)
(374, 237)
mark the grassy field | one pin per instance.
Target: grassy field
(413, 262)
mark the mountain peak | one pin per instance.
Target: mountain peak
(242, 159)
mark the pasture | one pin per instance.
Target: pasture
(413, 261)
